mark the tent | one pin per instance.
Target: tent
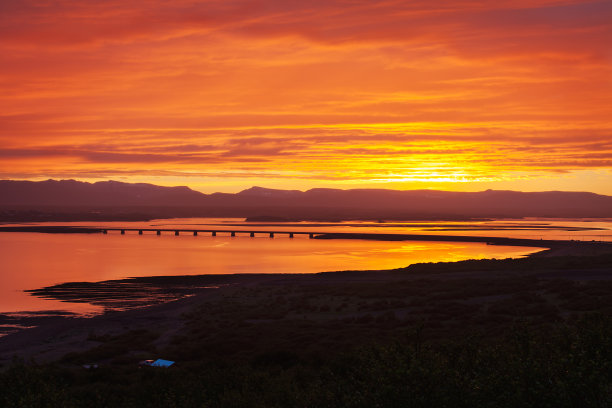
(162, 363)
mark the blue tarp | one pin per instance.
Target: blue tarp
(162, 363)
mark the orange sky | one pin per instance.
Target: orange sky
(221, 95)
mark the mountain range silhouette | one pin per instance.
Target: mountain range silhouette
(67, 196)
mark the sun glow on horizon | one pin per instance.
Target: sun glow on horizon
(401, 95)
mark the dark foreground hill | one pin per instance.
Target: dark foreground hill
(534, 332)
(70, 199)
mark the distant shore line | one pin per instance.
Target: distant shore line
(553, 246)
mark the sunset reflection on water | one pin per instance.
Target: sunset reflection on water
(32, 260)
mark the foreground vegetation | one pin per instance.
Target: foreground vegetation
(567, 367)
(524, 333)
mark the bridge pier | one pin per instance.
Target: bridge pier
(195, 233)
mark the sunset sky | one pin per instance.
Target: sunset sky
(221, 95)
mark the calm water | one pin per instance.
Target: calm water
(32, 260)
(582, 229)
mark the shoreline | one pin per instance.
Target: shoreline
(528, 242)
(53, 338)
(550, 247)
(174, 296)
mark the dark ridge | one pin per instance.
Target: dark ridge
(53, 200)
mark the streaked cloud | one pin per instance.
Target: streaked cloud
(295, 93)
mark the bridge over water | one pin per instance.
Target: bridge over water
(539, 243)
(212, 232)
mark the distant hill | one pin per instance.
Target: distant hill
(103, 193)
(109, 199)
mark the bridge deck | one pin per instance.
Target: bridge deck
(540, 243)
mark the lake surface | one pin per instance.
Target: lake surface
(558, 229)
(33, 260)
